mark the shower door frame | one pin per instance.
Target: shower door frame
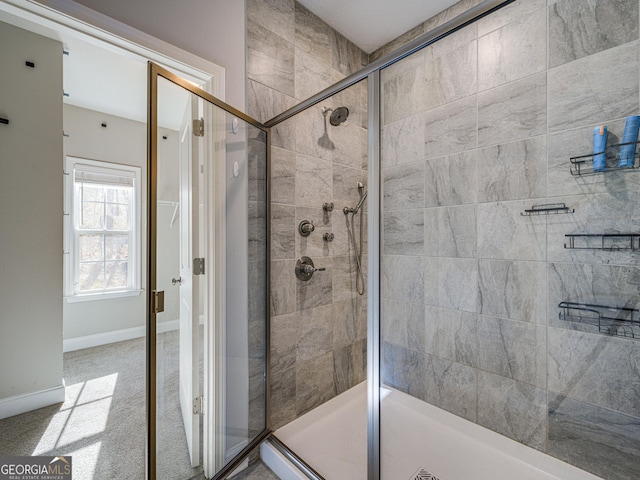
(374, 205)
(154, 73)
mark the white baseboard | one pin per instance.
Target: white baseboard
(27, 402)
(78, 343)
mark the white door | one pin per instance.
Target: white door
(190, 285)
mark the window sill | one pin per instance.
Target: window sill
(87, 297)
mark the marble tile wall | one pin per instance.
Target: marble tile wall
(477, 128)
(318, 328)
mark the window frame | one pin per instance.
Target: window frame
(72, 233)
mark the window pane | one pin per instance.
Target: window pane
(117, 217)
(117, 247)
(90, 192)
(118, 194)
(91, 248)
(116, 274)
(91, 276)
(92, 215)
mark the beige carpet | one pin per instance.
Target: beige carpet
(102, 424)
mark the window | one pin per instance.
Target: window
(102, 228)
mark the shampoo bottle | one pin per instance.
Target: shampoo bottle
(630, 135)
(599, 148)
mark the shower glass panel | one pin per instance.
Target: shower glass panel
(209, 190)
(509, 267)
(319, 325)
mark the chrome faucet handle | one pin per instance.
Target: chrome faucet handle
(327, 207)
(305, 228)
(328, 237)
(305, 269)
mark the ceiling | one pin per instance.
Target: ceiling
(371, 24)
(100, 78)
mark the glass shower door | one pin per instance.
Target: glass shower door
(208, 281)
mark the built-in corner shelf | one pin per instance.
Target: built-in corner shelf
(547, 209)
(614, 242)
(615, 321)
(583, 165)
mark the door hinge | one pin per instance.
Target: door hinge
(158, 301)
(198, 127)
(198, 266)
(198, 405)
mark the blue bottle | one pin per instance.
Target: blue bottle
(599, 148)
(628, 152)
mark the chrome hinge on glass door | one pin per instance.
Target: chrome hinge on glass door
(198, 127)
(198, 405)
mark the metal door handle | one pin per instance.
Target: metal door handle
(176, 281)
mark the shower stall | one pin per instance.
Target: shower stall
(501, 304)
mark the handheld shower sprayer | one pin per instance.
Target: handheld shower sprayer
(363, 197)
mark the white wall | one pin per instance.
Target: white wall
(211, 29)
(30, 215)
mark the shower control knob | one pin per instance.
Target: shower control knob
(305, 269)
(305, 228)
(328, 237)
(327, 207)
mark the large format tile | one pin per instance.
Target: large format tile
(451, 68)
(275, 15)
(513, 12)
(594, 89)
(517, 410)
(578, 29)
(450, 231)
(284, 332)
(315, 292)
(314, 383)
(403, 186)
(513, 111)
(451, 386)
(451, 128)
(283, 176)
(283, 287)
(451, 335)
(311, 75)
(312, 35)
(512, 289)
(283, 397)
(514, 51)
(403, 369)
(315, 333)
(595, 369)
(346, 57)
(403, 232)
(282, 231)
(595, 439)
(402, 141)
(349, 366)
(349, 325)
(508, 348)
(403, 92)
(451, 283)
(314, 181)
(451, 180)
(403, 278)
(264, 103)
(505, 234)
(270, 59)
(403, 324)
(513, 171)
(344, 279)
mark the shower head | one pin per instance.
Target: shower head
(338, 116)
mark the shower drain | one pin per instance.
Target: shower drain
(422, 474)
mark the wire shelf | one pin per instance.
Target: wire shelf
(547, 209)
(613, 242)
(583, 164)
(615, 321)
